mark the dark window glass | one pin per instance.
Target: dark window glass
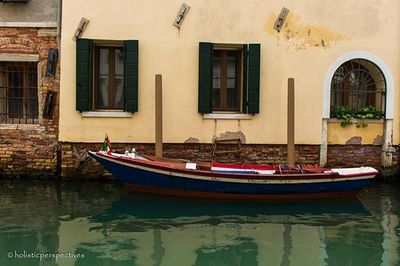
(109, 89)
(357, 84)
(226, 80)
(18, 93)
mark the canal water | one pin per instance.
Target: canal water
(95, 223)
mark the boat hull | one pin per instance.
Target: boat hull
(205, 184)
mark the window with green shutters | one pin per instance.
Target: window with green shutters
(106, 75)
(229, 78)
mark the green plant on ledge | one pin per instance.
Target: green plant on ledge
(347, 114)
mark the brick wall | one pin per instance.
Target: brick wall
(31, 149)
(354, 155)
(75, 162)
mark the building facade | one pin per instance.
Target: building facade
(225, 67)
(29, 88)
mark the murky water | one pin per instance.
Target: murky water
(93, 223)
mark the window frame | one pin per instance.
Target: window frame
(224, 50)
(26, 117)
(346, 95)
(97, 45)
(250, 95)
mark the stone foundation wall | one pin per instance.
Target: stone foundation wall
(75, 163)
(31, 149)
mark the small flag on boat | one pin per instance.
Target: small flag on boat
(106, 145)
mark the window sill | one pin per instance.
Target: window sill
(369, 121)
(22, 126)
(228, 116)
(107, 114)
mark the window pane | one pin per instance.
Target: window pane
(32, 94)
(18, 92)
(231, 82)
(3, 95)
(15, 92)
(119, 78)
(102, 92)
(216, 100)
(357, 84)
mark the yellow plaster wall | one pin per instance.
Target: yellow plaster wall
(340, 135)
(315, 35)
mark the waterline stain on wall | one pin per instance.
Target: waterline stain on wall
(300, 36)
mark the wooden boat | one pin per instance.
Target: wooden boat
(232, 181)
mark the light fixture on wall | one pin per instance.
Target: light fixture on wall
(81, 27)
(181, 15)
(281, 19)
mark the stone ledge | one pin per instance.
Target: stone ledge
(14, 24)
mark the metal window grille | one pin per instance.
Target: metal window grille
(358, 83)
(18, 93)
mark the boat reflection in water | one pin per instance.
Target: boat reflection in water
(112, 227)
(165, 231)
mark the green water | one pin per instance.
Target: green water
(93, 223)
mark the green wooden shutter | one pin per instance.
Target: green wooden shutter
(205, 77)
(131, 48)
(253, 79)
(83, 74)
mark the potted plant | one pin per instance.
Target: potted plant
(348, 114)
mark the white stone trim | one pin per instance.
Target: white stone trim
(23, 127)
(108, 114)
(19, 57)
(28, 24)
(387, 147)
(228, 116)
(47, 32)
(362, 55)
(323, 152)
(354, 120)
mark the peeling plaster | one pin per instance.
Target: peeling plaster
(299, 35)
(232, 135)
(378, 140)
(192, 140)
(356, 140)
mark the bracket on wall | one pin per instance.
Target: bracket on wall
(281, 19)
(81, 27)
(181, 15)
(49, 103)
(52, 58)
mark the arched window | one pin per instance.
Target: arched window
(358, 84)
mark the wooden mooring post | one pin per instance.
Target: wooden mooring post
(291, 123)
(158, 118)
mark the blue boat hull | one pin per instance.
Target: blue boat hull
(153, 181)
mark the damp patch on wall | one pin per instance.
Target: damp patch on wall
(299, 35)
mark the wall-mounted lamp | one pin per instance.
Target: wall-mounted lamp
(281, 19)
(81, 27)
(181, 15)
